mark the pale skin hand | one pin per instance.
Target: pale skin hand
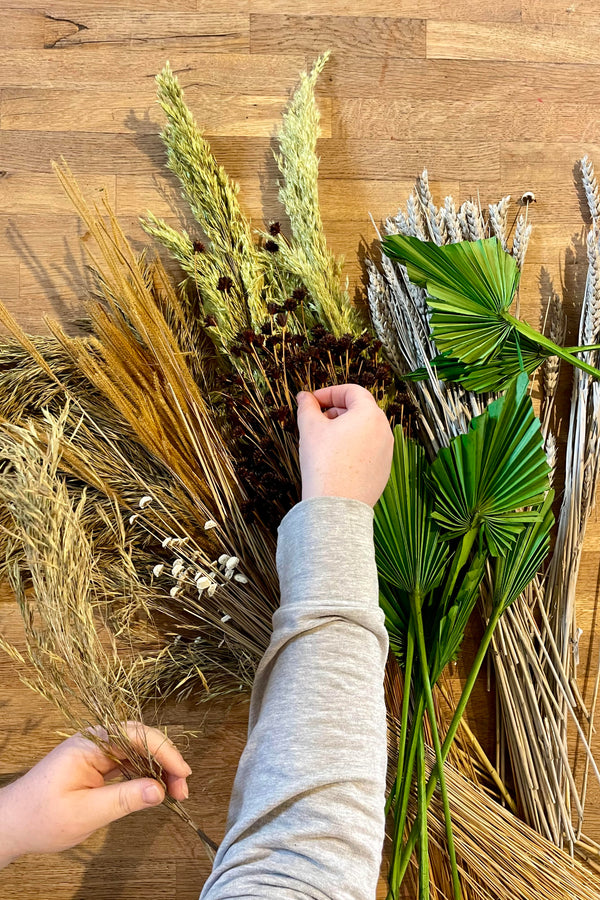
(65, 797)
(345, 451)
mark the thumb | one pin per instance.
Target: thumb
(309, 410)
(113, 801)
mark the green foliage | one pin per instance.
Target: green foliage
(485, 477)
(212, 199)
(409, 552)
(470, 288)
(513, 572)
(436, 527)
(307, 255)
(493, 375)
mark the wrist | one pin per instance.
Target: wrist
(11, 845)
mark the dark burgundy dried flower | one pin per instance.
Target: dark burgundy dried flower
(210, 322)
(290, 304)
(272, 307)
(224, 284)
(272, 246)
(300, 294)
(198, 247)
(361, 343)
(274, 228)
(328, 342)
(266, 328)
(281, 318)
(394, 409)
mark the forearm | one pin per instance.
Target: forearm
(307, 810)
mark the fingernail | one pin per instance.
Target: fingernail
(186, 791)
(189, 771)
(151, 794)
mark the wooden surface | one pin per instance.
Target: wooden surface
(492, 96)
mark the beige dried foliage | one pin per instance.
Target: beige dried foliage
(69, 657)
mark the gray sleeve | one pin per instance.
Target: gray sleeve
(306, 818)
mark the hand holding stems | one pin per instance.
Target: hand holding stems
(345, 451)
(63, 799)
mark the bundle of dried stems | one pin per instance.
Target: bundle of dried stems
(68, 659)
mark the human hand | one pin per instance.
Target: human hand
(347, 450)
(64, 798)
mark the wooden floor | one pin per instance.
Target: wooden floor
(492, 96)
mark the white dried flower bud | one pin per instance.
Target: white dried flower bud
(232, 562)
(225, 618)
(177, 567)
(158, 569)
(212, 588)
(223, 559)
(167, 541)
(174, 590)
(145, 501)
(133, 518)
(241, 578)
(210, 524)
(202, 581)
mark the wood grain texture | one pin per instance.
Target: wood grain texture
(494, 97)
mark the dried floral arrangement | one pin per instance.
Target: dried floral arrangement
(170, 429)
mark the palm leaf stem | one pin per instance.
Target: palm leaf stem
(402, 795)
(422, 820)
(452, 729)
(459, 560)
(553, 349)
(424, 666)
(409, 656)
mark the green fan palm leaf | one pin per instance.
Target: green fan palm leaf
(513, 572)
(407, 546)
(486, 476)
(493, 375)
(471, 286)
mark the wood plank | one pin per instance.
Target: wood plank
(121, 67)
(556, 161)
(503, 82)
(210, 32)
(561, 12)
(473, 10)
(533, 121)
(112, 112)
(359, 35)
(536, 43)
(65, 7)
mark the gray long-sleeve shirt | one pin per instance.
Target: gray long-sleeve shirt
(306, 818)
